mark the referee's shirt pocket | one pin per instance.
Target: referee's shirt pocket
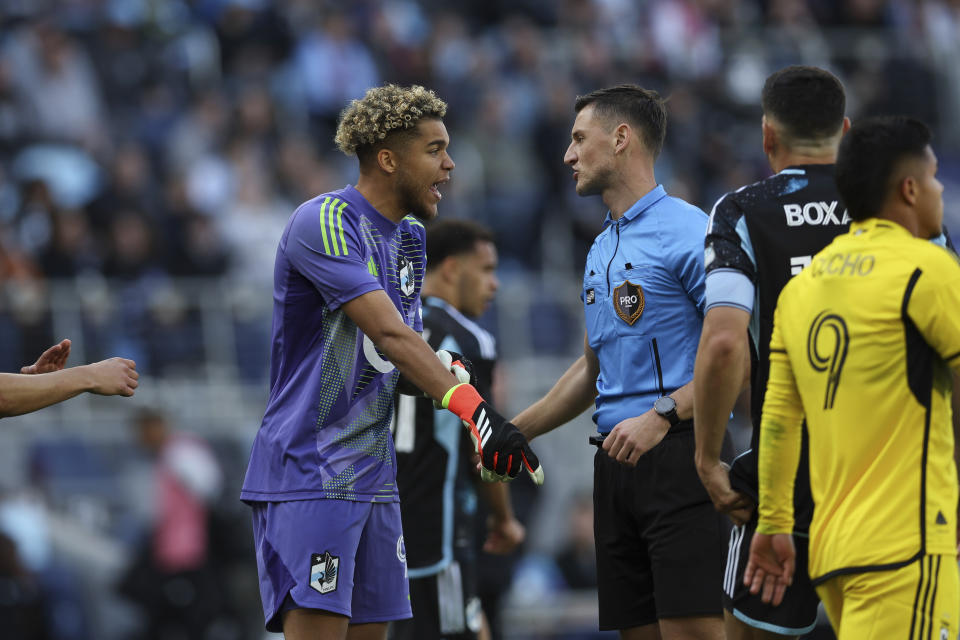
(595, 303)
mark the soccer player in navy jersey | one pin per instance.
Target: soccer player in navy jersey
(322, 473)
(436, 472)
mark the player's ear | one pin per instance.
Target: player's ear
(909, 189)
(770, 135)
(450, 269)
(387, 160)
(622, 135)
(846, 126)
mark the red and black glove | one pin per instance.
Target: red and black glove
(458, 365)
(502, 448)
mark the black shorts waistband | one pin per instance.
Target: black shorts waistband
(682, 427)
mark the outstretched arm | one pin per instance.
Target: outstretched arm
(502, 448)
(23, 393)
(721, 371)
(379, 320)
(572, 394)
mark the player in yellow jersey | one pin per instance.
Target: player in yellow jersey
(862, 345)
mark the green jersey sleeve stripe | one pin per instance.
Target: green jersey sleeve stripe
(331, 226)
(340, 226)
(323, 224)
(414, 221)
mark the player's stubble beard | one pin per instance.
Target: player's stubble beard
(413, 197)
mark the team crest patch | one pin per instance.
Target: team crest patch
(324, 569)
(628, 301)
(405, 274)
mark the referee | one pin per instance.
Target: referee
(659, 540)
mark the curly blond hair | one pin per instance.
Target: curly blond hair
(368, 121)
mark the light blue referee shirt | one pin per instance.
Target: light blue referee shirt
(643, 297)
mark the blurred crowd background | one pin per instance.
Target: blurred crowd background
(152, 150)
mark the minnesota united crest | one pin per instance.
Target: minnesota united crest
(405, 275)
(323, 571)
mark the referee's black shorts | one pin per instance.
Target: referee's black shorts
(660, 542)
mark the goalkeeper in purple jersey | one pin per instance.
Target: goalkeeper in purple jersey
(322, 473)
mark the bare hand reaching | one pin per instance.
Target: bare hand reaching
(770, 568)
(53, 359)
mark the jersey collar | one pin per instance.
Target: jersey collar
(383, 224)
(652, 197)
(876, 224)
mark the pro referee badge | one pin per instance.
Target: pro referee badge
(405, 274)
(628, 301)
(590, 296)
(323, 571)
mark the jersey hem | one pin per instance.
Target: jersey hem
(866, 568)
(429, 570)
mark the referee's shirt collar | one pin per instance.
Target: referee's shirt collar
(653, 196)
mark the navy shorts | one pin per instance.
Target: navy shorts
(339, 556)
(795, 616)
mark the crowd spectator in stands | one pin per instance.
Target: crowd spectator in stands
(172, 577)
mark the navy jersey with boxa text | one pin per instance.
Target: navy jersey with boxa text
(769, 231)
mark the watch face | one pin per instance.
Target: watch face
(665, 404)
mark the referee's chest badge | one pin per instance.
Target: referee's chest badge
(628, 301)
(323, 571)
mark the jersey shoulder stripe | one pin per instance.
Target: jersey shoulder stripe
(331, 226)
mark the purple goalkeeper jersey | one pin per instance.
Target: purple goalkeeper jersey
(326, 429)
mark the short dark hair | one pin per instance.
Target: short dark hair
(453, 237)
(631, 103)
(808, 101)
(868, 156)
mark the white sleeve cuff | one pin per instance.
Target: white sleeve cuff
(729, 288)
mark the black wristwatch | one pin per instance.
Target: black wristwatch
(667, 407)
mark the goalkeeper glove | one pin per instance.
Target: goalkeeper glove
(502, 448)
(457, 364)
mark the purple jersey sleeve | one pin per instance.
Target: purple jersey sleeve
(325, 247)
